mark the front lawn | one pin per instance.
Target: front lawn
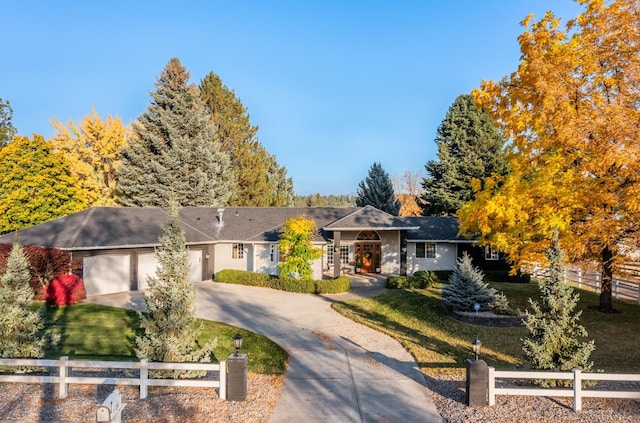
(441, 344)
(91, 331)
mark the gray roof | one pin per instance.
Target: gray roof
(128, 227)
(370, 218)
(434, 228)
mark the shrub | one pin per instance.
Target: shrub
(65, 290)
(333, 286)
(284, 283)
(243, 277)
(45, 264)
(420, 280)
(467, 287)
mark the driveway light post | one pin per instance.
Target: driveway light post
(237, 376)
(477, 344)
(477, 378)
(237, 342)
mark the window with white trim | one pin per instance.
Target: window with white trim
(344, 254)
(426, 250)
(490, 253)
(237, 251)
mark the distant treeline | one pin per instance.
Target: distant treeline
(317, 200)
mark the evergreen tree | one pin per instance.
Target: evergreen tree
(173, 151)
(36, 184)
(170, 328)
(377, 190)
(19, 323)
(256, 174)
(554, 336)
(469, 146)
(7, 130)
(297, 249)
(467, 287)
(282, 193)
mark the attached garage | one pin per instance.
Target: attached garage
(148, 263)
(106, 273)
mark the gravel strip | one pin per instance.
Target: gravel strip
(449, 395)
(22, 402)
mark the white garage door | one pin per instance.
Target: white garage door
(106, 274)
(148, 264)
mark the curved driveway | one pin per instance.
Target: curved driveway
(339, 370)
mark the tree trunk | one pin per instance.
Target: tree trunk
(607, 280)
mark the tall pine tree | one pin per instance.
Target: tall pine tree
(377, 190)
(256, 173)
(170, 329)
(19, 323)
(554, 340)
(469, 146)
(173, 151)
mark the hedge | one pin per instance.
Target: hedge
(308, 286)
(420, 279)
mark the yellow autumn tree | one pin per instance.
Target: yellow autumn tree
(571, 112)
(296, 247)
(93, 147)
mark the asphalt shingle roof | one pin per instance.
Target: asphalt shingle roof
(121, 227)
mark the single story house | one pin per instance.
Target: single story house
(115, 245)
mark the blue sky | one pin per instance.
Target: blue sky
(333, 86)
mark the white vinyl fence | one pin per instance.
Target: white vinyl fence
(622, 289)
(64, 365)
(577, 391)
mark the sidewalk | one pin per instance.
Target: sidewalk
(339, 370)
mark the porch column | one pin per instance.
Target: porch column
(403, 253)
(336, 254)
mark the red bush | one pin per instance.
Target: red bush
(65, 290)
(45, 264)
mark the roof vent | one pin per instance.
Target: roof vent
(220, 222)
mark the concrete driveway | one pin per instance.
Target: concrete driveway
(339, 371)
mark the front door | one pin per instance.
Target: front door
(370, 256)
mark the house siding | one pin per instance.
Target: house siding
(446, 254)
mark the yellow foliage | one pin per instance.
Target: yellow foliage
(93, 147)
(571, 114)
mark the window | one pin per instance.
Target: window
(425, 250)
(490, 253)
(238, 251)
(273, 253)
(344, 254)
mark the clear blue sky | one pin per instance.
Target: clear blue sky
(333, 85)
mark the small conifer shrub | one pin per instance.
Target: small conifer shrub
(556, 338)
(467, 287)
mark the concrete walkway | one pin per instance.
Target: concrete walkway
(338, 371)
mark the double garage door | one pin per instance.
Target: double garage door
(111, 273)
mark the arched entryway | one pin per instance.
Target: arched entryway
(368, 252)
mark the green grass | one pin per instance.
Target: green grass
(91, 331)
(441, 344)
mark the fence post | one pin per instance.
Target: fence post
(492, 386)
(144, 377)
(579, 278)
(577, 390)
(616, 288)
(62, 377)
(222, 390)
